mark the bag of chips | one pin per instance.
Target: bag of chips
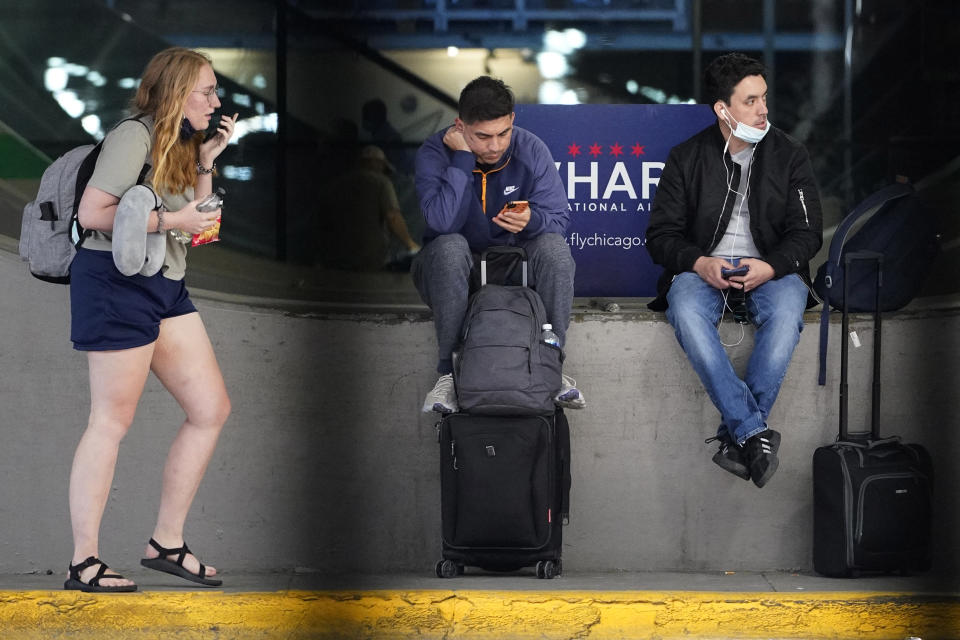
(211, 203)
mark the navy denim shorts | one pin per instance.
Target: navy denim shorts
(111, 311)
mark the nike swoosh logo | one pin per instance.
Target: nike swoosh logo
(507, 191)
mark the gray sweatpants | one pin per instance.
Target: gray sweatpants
(441, 273)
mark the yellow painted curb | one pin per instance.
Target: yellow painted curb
(514, 615)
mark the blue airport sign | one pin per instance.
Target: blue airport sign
(610, 158)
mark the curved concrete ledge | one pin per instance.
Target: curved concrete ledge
(487, 615)
(605, 308)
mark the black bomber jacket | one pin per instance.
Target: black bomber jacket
(784, 203)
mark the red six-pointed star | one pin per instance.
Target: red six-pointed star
(596, 150)
(637, 150)
(616, 149)
(573, 149)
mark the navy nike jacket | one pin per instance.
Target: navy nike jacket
(456, 196)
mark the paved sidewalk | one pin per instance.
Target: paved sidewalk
(304, 605)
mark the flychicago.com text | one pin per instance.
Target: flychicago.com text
(578, 241)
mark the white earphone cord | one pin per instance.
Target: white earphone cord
(736, 232)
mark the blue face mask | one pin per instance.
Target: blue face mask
(186, 130)
(744, 131)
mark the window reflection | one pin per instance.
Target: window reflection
(385, 73)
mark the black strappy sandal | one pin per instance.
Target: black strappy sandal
(74, 583)
(162, 563)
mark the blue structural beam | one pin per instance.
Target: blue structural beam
(597, 39)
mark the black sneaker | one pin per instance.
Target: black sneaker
(730, 457)
(761, 455)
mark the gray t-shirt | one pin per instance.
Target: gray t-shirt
(737, 240)
(125, 150)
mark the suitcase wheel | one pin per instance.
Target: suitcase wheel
(548, 569)
(448, 569)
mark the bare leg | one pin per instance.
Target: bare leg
(116, 383)
(184, 362)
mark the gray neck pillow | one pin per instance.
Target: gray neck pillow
(135, 250)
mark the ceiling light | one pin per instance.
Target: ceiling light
(552, 65)
(55, 79)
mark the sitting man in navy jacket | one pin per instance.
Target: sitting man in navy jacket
(466, 175)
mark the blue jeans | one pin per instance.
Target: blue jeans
(776, 309)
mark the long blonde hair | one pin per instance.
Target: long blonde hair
(165, 85)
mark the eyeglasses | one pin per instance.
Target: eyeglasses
(208, 93)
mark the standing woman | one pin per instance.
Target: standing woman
(132, 325)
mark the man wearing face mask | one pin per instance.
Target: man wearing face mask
(484, 182)
(741, 193)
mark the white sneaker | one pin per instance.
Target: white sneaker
(570, 397)
(443, 397)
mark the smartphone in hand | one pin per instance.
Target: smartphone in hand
(215, 131)
(737, 271)
(516, 206)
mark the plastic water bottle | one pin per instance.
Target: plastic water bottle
(549, 336)
(211, 203)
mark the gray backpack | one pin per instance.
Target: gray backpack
(49, 232)
(502, 366)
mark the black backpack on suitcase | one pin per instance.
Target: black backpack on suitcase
(505, 492)
(502, 366)
(871, 495)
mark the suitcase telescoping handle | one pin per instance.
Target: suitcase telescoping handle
(849, 258)
(502, 250)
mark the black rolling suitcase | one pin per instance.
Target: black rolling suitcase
(871, 495)
(505, 492)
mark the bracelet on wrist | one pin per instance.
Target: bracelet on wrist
(203, 171)
(159, 220)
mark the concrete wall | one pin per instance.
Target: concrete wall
(326, 463)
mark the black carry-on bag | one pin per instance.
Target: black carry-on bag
(871, 495)
(505, 492)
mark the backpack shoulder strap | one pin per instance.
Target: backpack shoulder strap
(136, 118)
(84, 172)
(146, 165)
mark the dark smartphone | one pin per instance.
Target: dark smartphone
(738, 271)
(215, 131)
(514, 204)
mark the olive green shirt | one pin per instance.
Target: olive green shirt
(125, 150)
